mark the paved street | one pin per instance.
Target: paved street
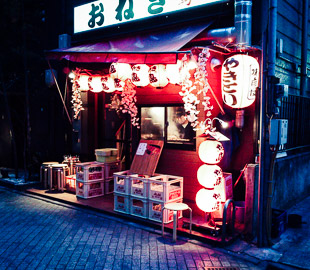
(40, 234)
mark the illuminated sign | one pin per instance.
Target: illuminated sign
(104, 13)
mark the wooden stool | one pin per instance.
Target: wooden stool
(44, 172)
(175, 207)
(58, 171)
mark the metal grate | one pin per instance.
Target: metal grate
(296, 110)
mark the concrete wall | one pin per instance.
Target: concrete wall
(291, 180)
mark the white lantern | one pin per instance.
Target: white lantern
(158, 77)
(83, 82)
(107, 84)
(209, 176)
(94, 84)
(140, 75)
(173, 72)
(207, 200)
(120, 71)
(240, 77)
(118, 84)
(211, 151)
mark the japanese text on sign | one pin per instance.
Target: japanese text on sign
(104, 13)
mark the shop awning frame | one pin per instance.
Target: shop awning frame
(164, 46)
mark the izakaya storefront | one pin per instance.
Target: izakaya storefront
(181, 111)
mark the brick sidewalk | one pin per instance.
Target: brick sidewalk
(42, 234)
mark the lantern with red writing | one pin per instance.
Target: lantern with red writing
(158, 77)
(140, 75)
(121, 71)
(211, 151)
(94, 84)
(107, 84)
(240, 77)
(209, 176)
(208, 200)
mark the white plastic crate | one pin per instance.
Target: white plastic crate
(109, 185)
(165, 188)
(70, 184)
(138, 186)
(90, 171)
(121, 181)
(89, 189)
(138, 207)
(155, 213)
(111, 168)
(121, 203)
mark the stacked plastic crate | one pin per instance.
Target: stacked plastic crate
(144, 196)
(89, 179)
(164, 189)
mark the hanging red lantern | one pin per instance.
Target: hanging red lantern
(240, 78)
(211, 151)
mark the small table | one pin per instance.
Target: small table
(175, 207)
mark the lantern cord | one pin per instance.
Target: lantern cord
(63, 102)
(242, 172)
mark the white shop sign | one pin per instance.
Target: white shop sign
(104, 13)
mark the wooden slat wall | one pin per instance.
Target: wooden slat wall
(290, 30)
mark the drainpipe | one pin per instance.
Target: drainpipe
(303, 82)
(243, 22)
(269, 56)
(242, 31)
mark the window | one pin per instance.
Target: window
(168, 123)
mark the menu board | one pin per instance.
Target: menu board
(146, 157)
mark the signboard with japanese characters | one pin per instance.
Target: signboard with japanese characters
(104, 13)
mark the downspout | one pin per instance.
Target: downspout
(264, 200)
(304, 52)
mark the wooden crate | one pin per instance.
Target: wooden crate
(89, 189)
(138, 207)
(165, 188)
(121, 203)
(90, 171)
(155, 213)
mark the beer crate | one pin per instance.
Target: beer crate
(138, 207)
(89, 189)
(121, 203)
(155, 212)
(121, 181)
(165, 188)
(90, 171)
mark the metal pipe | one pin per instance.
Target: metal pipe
(223, 34)
(272, 37)
(304, 58)
(243, 22)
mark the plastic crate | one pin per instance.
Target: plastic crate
(121, 203)
(89, 189)
(138, 207)
(165, 188)
(90, 171)
(109, 185)
(155, 211)
(111, 168)
(70, 183)
(279, 222)
(138, 186)
(121, 182)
